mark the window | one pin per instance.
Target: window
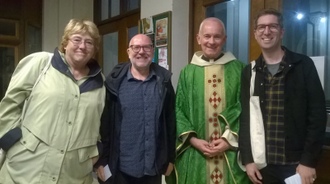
(109, 9)
(235, 16)
(307, 31)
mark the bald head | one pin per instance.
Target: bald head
(140, 52)
(146, 40)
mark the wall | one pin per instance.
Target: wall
(56, 14)
(180, 29)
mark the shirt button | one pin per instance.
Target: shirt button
(54, 179)
(62, 151)
(24, 142)
(70, 123)
(76, 96)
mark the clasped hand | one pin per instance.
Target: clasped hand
(210, 149)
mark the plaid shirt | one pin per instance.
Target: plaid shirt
(274, 95)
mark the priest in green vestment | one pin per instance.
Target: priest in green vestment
(207, 113)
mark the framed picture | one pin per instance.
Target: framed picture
(158, 28)
(161, 32)
(147, 26)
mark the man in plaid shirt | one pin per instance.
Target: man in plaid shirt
(292, 104)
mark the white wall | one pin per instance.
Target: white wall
(56, 14)
(180, 38)
(154, 7)
(180, 32)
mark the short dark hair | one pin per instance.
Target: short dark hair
(269, 11)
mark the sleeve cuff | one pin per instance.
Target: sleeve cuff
(231, 138)
(10, 138)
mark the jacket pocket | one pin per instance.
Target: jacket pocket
(28, 143)
(87, 153)
(84, 167)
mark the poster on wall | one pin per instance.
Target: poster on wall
(161, 32)
(162, 57)
(160, 35)
(147, 25)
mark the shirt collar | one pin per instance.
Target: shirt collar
(131, 77)
(207, 59)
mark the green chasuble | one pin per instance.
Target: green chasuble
(208, 107)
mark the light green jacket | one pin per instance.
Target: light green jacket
(60, 129)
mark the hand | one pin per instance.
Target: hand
(100, 173)
(253, 173)
(95, 159)
(307, 174)
(201, 145)
(169, 169)
(218, 146)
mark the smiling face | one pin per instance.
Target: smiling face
(211, 38)
(140, 58)
(269, 37)
(79, 49)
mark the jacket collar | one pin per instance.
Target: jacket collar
(113, 80)
(95, 79)
(199, 59)
(290, 58)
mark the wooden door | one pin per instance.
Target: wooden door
(20, 35)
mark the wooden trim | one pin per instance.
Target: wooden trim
(276, 4)
(97, 11)
(191, 31)
(256, 7)
(7, 37)
(120, 26)
(212, 2)
(99, 54)
(16, 49)
(199, 16)
(118, 17)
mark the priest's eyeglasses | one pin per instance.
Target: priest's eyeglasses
(137, 48)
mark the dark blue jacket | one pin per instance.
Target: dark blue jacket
(111, 120)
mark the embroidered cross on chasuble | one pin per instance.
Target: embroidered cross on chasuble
(214, 104)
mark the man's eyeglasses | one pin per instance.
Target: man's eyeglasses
(272, 27)
(77, 41)
(137, 48)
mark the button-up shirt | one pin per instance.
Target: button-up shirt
(139, 125)
(275, 139)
